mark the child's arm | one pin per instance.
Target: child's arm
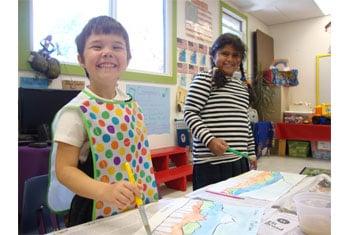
(121, 194)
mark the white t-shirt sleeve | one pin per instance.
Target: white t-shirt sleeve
(70, 128)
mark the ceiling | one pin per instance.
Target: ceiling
(272, 12)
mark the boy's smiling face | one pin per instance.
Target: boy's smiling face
(104, 58)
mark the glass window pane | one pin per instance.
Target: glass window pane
(52, 17)
(146, 33)
(231, 22)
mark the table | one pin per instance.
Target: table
(130, 222)
(307, 132)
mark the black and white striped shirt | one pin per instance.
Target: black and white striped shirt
(218, 112)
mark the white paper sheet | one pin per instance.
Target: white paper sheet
(278, 224)
(198, 216)
(264, 185)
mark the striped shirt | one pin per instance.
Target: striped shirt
(218, 112)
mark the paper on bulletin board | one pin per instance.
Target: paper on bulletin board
(32, 82)
(181, 94)
(155, 104)
(198, 21)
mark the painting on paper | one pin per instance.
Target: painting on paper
(264, 185)
(199, 216)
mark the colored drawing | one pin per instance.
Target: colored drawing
(198, 216)
(182, 55)
(266, 185)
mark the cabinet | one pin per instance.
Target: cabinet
(171, 166)
(263, 51)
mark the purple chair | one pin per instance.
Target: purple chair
(31, 162)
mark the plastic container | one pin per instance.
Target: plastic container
(298, 148)
(314, 212)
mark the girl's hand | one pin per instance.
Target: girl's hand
(218, 146)
(253, 163)
(121, 194)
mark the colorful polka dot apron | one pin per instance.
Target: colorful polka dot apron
(117, 134)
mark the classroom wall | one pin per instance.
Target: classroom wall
(300, 42)
(253, 25)
(169, 139)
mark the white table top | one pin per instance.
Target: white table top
(130, 222)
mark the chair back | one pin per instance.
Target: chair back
(36, 217)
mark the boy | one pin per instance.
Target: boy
(97, 132)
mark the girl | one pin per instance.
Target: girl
(216, 112)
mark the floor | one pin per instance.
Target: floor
(273, 163)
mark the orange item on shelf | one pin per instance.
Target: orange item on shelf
(318, 110)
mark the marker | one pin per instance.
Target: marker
(138, 200)
(224, 194)
(237, 153)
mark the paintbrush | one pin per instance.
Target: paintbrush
(138, 201)
(237, 153)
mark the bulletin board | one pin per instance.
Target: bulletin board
(155, 104)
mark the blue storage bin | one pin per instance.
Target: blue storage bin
(183, 137)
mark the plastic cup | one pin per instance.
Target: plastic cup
(314, 212)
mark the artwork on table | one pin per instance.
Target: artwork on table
(264, 185)
(199, 216)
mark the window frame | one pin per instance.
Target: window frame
(24, 37)
(223, 6)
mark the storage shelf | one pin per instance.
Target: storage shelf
(174, 177)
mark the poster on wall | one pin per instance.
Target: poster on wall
(155, 104)
(198, 21)
(181, 45)
(192, 57)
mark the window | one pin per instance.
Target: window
(232, 21)
(63, 24)
(231, 24)
(150, 33)
(146, 32)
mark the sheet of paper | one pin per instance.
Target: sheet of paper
(319, 184)
(125, 223)
(229, 200)
(278, 224)
(198, 216)
(264, 185)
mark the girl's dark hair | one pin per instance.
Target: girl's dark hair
(221, 42)
(102, 25)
